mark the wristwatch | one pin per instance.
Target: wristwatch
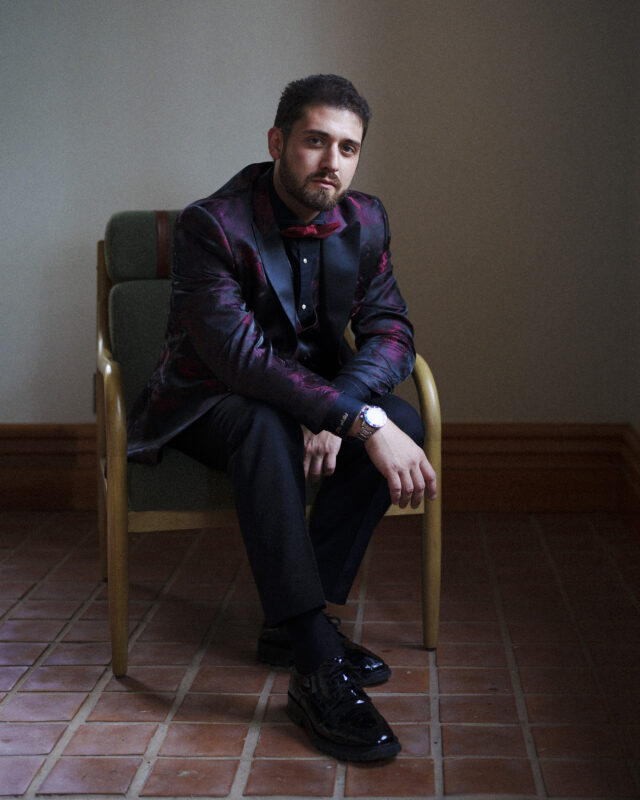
(372, 418)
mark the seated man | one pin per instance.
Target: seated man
(255, 377)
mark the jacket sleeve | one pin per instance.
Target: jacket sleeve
(212, 311)
(385, 352)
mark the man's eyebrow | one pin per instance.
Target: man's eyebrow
(318, 132)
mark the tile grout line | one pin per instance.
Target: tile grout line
(91, 698)
(245, 763)
(15, 550)
(23, 544)
(94, 695)
(50, 759)
(512, 666)
(233, 586)
(434, 695)
(142, 623)
(629, 759)
(340, 781)
(79, 718)
(581, 640)
(155, 743)
(435, 726)
(635, 602)
(153, 748)
(626, 750)
(51, 646)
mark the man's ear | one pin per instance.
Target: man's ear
(276, 142)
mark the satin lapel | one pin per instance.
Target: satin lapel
(277, 267)
(341, 259)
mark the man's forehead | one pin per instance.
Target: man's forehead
(331, 119)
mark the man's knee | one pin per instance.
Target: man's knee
(266, 425)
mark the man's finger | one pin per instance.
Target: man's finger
(407, 489)
(306, 464)
(316, 468)
(329, 464)
(418, 489)
(430, 479)
(395, 488)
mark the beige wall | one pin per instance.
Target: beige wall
(502, 145)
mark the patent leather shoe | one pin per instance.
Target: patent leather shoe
(366, 667)
(338, 716)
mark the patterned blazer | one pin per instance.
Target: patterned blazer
(231, 323)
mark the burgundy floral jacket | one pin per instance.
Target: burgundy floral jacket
(231, 323)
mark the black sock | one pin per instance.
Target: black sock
(313, 640)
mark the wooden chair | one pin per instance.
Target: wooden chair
(180, 493)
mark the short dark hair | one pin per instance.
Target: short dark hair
(319, 90)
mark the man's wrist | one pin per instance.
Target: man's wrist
(342, 416)
(370, 420)
(353, 431)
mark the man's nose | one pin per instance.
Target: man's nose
(330, 159)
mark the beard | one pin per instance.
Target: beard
(316, 198)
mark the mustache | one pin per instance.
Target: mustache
(327, 176)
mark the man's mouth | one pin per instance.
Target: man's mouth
(325, 181)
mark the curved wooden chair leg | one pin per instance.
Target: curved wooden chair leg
(118, 571)
(431, 560)
(432, 517)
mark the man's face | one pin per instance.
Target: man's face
(317, 164)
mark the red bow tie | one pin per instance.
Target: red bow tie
(312, 231)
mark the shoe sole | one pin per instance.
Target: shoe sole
(376, 678)
(340, 751)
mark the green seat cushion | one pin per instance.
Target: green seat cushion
(178, 482)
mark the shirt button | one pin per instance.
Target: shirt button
(304, 260)
(304, 307)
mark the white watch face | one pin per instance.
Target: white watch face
(375, 416)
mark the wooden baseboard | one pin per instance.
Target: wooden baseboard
(631, 472)
(487, 467)
(537, 467)
(48, 467)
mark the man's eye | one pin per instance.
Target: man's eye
(349, 149)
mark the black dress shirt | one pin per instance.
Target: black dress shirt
(305, 258)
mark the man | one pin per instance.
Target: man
(255, 378)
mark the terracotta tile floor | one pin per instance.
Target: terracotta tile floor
(534, 691)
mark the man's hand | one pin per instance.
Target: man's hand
(320, 453)
(409, 475)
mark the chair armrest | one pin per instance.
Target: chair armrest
(432, 519)
(110, 405)
(111, 399)
(429, 411)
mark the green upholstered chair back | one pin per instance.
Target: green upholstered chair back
(138, 254)
(138, 247)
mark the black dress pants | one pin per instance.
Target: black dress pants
(297, 567)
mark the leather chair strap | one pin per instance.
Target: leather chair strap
(164, 244)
